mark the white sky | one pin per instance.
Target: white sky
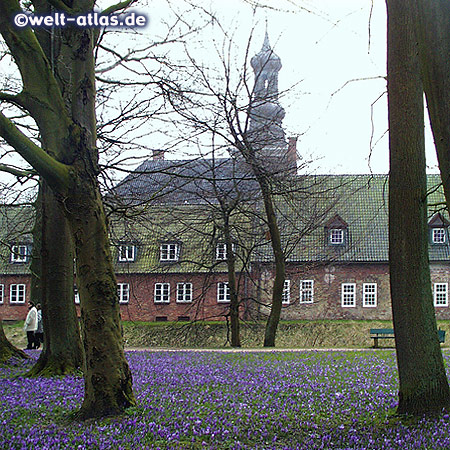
(324, 45)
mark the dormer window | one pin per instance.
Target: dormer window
(336, 236)
(221, 251)
(169, 252)
(19, 253)
(438, 229)
(127, 253)
(438, 236)
(336, 231)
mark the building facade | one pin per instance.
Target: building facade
(172, 258)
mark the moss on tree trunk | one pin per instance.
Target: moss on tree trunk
(52, 286)
(7, 350)
(423, 387)
(108, 380)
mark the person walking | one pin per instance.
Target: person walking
(39, 333)
(30, 325)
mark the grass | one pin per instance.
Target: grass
(291, 334)
(210, 400)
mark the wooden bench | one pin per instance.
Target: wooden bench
(388, 333)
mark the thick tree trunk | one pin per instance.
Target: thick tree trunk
(108, 380)
(423, 383)
(53, 268)
(433, 25)
(7, 350)
(68, 161)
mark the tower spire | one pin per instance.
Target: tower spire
(267, 114)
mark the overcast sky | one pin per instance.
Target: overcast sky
(337, 51)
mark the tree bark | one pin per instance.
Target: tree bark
(7, 350)
(432, 18)
(423, 383)
(232, 284)
(52, 272)
(68, 161)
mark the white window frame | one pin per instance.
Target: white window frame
(18, 256)
(184, 292)
(348, 295)
(161, 293)
(223, 292)
(76, 295)
(123, 292)
(440, 294)
(336, 236)
(169, 252)
(439, 235)
(18, 292)
(221, 251)
(370, 295)
(127, 253)
(306, 291)
(286, 296)
(2, 293)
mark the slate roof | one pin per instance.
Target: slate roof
(361, 202)
(185, 181)
(356, 203)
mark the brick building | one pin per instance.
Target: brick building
(171, 258)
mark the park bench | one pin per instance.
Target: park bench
(388, 333)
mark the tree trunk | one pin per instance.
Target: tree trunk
(423, 383)
(234, 300)
(108, 380)
(280, 269)
(68, 161)
(433, 25)
(7, 350)
(53, 259)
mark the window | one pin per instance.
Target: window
(17, 293)
(221, 251)
(223, 292)
(76, 295)
(440, 294)
(127, 253)
(438, 235)
(306, 291)
(19, 253)
(370, 295)
(286, 297)
(162, 293)
(123, 292)
(336, 236)
(184, 292)
(169, 252)
(348, 295)
(2, 292)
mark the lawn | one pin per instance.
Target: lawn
(202, 400)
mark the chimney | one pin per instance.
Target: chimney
(158, 155)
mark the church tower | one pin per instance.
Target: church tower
(266, 114)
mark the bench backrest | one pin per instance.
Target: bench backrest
(386, 331)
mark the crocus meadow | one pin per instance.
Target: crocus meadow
(225, 400)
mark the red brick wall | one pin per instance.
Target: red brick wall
(141, 306)
(10, 311)
(327, 290)
(326, 304)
